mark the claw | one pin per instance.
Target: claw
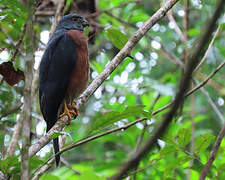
(69, 110)
(74, 108)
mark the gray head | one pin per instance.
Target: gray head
(72, 21)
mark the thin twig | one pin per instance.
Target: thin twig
(58, 16)
(44, 13)
(163, 49)
(141, 137)
(13, 109)
(207, 79)
(193, 89)
(176, 27)
(123, 128)
(213, 105)
(67, 164)
(209, 47)
(192, 116)
(217, 86)
(19, 43)
(15, 137)
(186, 27)
(43, 169)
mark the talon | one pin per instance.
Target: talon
(69, 112)
(74, 108)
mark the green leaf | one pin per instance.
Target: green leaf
(197, 166)
(168, 149)
(117, 38)
(56, 134)
(202, 142)
(193, 32)
(139, 15)
(96, 66)
(11, 161)
(68, 2)
(86, 31)
(35, 162)
(49, 177)
(131, 99)
(87, 174)
(184, 137)
(114, 116)
(222, 26)
(177, 163)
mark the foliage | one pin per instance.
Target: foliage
(128, 94)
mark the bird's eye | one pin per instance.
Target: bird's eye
(74, 19)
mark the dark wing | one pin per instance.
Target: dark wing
(56, 68)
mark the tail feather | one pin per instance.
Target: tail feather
(55, 145)
(56, 149)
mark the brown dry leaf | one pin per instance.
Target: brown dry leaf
(9, 74)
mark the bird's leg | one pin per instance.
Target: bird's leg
(68, 112)
(74, 107)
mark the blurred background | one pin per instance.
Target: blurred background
(137, 87)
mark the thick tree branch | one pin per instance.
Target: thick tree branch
(184, 85)
(106, 72)
(27, 106)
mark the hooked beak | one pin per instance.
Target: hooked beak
(85, 23)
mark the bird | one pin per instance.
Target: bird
(64, 72)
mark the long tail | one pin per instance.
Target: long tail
(55, 145)
(56, 149)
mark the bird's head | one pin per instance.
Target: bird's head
(72, 21)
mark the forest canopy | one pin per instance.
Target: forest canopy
(154, 106)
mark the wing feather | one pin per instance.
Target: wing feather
(56, 68)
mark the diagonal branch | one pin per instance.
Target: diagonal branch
(106, 72)
(213, 154)
(176, 27)
(184, 85)
(58, 16)
(210, 45)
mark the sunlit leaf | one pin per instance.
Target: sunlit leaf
(114, 116)
(184, 137)
(202, 142)
(193, 32)
(49, 177)
(56, 134)
(117, 38)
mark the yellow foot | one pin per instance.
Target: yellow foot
(74, 108)
(70, 113)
